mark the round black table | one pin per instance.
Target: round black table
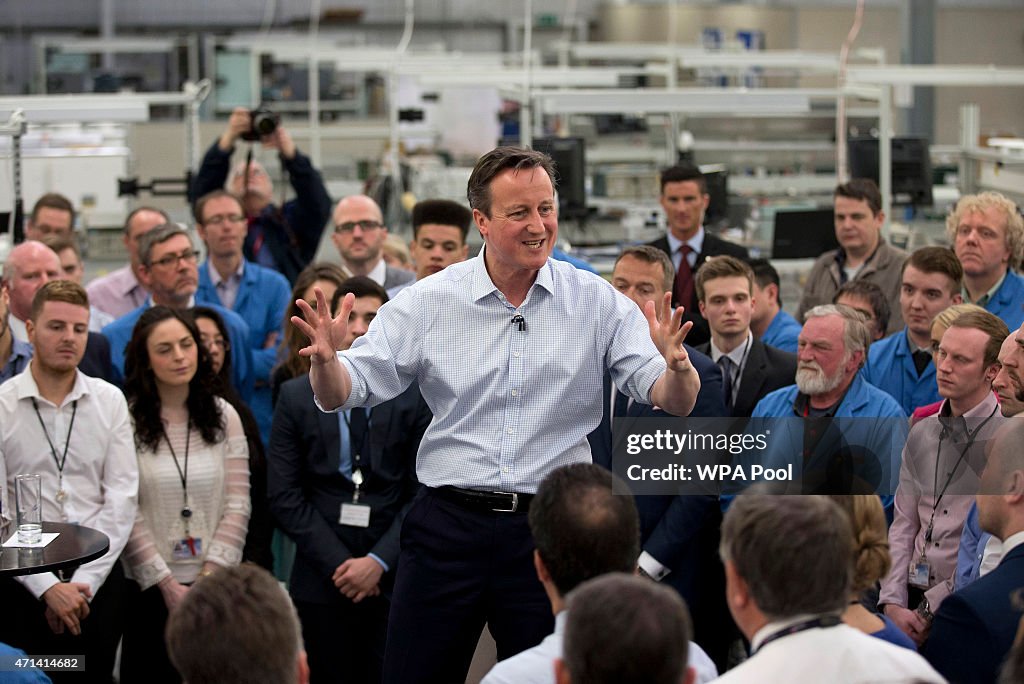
(73, 546)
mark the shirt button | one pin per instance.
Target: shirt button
(504, 470)
(516, 354)
(515, 393)
(510, 431)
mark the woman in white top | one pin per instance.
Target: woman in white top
(193, 482)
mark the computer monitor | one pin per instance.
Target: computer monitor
(911, 167)
(570, 172)
(717, 179)
(803, 233)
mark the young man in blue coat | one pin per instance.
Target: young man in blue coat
(901, 364)
(987, 232)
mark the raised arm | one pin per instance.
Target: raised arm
(676, 390)
(328, 376)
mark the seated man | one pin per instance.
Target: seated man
(75, 432)
(941, 464)
(863, 253)
(750, 368)
(52, 214)
(987, 232)
(121, 290)
(621, 629)
(849, 433)
(788, 576)
(235, 627)
(901, 364)
(582, 530)
(869, 300)
(769, 322)
(975, 627)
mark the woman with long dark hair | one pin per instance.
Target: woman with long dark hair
(214, 336)
(193, 482)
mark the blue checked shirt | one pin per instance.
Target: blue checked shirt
(509, 405)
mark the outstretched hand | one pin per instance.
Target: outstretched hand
(326, 335)
(668, 332)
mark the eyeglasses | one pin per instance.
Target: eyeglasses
(224, 218)
(365, 225)
(211, 342)
(171, 260)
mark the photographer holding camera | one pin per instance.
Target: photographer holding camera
(282, 238)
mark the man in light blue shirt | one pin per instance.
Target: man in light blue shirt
(769, 322)
(510, 350)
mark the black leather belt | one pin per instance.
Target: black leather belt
(490, 502)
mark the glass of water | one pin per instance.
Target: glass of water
(29, 501)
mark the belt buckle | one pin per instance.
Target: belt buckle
(515, 503)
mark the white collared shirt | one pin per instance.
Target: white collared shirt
(101, 474)
(696, 244)
(738, 356)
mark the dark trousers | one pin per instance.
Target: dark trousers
(458, 570)
(24, 626)
(344, 642)
(144, 650)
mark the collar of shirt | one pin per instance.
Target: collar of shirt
(21, 353)
(913, 347)
(482, 284)
(27, 387)
(379, 273)
(737, 355)
(232, 279)
(984, 299)
(696, 243)
(18, 330)
(1012, 542)
(776, 626)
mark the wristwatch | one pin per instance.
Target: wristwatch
(925, 611)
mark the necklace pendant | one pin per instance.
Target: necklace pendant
(61, 496)
(186, 512)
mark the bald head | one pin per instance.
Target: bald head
(359, 233)
(29, 266)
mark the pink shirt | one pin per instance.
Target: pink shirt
(117, 293)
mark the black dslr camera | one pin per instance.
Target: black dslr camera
(263, 122)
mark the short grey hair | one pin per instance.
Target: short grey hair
(856, 335)
(794, 552)
(158, 236)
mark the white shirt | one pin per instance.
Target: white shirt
(536, 665)
(17, 328)
(837, 655)
(738, 356)
(101, 476)
(696, 244)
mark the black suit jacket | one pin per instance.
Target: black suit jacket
(682, 532)
(767, 369)
(96, 360)
(974, 627)
(306, 490)
(713, 246)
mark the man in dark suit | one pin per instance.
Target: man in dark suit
(359, 232)
(974, 627)
(750, 368)
(679, 534)
(340, 485)
(684, 197)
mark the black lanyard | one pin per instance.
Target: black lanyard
(971, 436)
(823, 621)
(61, 494)
(186, 512)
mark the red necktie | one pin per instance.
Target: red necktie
(682, 289)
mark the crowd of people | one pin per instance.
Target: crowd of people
(436, 437)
